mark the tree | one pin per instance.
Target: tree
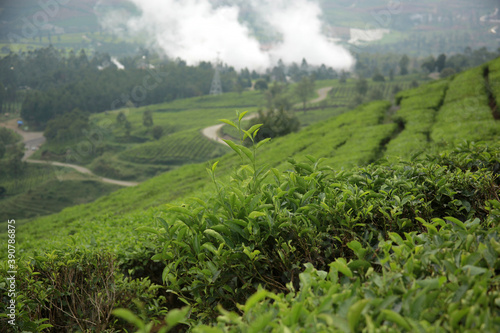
(239, 87)
(304, 67)
(446, 72)
(2, 149)
(458, 62)
(275, 123)
(121, 118)
(279, 72)
(403, 64)
(67, 126)
(15, 164)
(441, 62)
(305, 90)
(147, 118)
(2, 97)
(157, 132)
(294, 72)
(7, 136)
(128, 127)
(362, 86)
(391, 74)
(429, 64)
(378, 78)
(260, 85)
(343, 77)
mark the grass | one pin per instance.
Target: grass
(466, 113)
(322, 139)
(343, 94)
(494, 80)
(468, 84)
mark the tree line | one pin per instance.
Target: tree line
(390, 64)
(55, 83)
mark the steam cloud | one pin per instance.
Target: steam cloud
(202, 30)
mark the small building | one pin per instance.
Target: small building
(19, 123)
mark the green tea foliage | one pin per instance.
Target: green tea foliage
(465, 113)
(444, 280)
(264, 226)
(417, 115)
(429, 96)
(387, 247)
(76, 289)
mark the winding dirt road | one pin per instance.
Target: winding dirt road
(32, 140)
(211, 132)
(322, 94)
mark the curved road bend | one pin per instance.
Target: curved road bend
(211, 132)
(35, 139)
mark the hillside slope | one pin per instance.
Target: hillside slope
(402, 242)
(433, 117)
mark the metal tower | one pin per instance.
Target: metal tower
(216, 87)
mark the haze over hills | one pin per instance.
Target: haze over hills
(423, 28)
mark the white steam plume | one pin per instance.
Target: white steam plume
(298, 22)
(198, 30)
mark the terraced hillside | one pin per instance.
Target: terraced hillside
(134, 154)
(338, 245)
(354, 138)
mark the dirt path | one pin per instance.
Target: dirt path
(211, 132)
(323, 93)
(35, 139)
(85, 171)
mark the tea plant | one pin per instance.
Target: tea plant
(418, 286)
(256, 232)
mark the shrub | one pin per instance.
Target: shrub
(157, 132)
(260, 85)
(255, 231)
(378, 78)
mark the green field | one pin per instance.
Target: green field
(314, 246)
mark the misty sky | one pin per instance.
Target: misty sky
(198, 30)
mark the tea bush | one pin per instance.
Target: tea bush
(428, 96)
(468, 84)
(444, 280)
(408, 246)
(256, 232)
